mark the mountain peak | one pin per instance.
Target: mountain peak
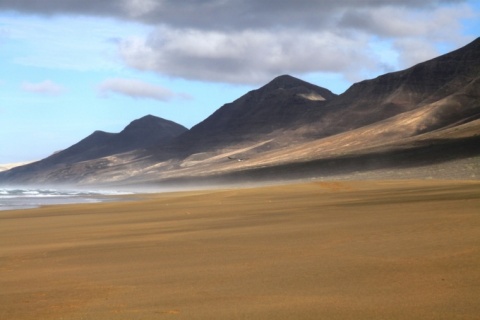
(286, 79)
(285, 82)
(141, 122)
(153, 123)
(296, 86)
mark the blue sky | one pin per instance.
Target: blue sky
(88, 65)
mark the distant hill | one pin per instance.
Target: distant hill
(424, 117)
(138, 135)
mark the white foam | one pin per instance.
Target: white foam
(19, 198)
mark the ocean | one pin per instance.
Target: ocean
(19, 198)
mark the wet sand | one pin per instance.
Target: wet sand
(319, 250)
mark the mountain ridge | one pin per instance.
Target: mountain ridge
(139, 134)
(290, 123)
(387, 95)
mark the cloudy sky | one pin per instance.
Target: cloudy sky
(69, 67)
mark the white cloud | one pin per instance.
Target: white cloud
(217, 14)
(400, 22)
(246, 56)
(414, 51)
(428, 31)
(137, 89)
(47, 87)
(248, 41)
(138, 8)
(255, 55)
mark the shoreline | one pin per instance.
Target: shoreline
(19, 198)
(110, 192)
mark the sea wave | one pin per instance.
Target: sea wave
(21, 198)
(6, 192)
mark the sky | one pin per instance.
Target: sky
(69, 67)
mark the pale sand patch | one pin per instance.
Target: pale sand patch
(325, 250)
(8, 166)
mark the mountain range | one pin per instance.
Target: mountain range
(424, 120)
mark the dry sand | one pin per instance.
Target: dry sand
(321, 250)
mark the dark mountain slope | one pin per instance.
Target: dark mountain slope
(276, 105)
(373, 100)
(139, 134)
(388, 115)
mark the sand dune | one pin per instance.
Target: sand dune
(321, 250)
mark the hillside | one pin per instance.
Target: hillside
(422, 117)
(138, 135)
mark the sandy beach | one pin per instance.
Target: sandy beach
(318, 250)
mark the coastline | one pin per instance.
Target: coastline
(324, 249)
(19, 198)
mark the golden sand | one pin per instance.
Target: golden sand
(320, 250)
